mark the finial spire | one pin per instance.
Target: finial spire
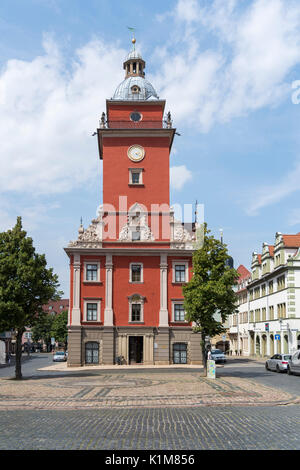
(133, 40)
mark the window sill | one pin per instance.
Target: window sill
(91, 322)
(136, 323)
(138, 185)
(93, 282)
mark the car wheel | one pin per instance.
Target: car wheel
(289, 371)
(266, 366)
(277, 368)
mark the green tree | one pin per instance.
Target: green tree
(41, 331)
(26, 284)
(59, 329)
(210, 291)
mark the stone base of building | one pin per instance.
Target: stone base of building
(91, 345)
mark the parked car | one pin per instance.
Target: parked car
(218, 356)
(59, 356)
(278, 362)
(294, 364)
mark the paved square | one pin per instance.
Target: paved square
(138, 390)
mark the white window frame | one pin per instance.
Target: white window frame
(182, 263)
(177, 302)
(130, 273)
(85, 271)
(140, 302)
(92, 301)
(140, 172)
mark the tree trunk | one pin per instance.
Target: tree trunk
(19, 355)
(204, 356)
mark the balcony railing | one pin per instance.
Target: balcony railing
(138, 125)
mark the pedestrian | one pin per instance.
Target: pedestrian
(208, 353)
(8, 358)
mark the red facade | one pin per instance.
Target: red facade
(128, 267)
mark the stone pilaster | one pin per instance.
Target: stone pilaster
(108, 312)
(148, 348)
(76, 313)
(162, 352)
(74, 346)
(108, 349)
(163, 313)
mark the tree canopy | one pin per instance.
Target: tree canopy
(210, 291)
(42, 329)
(59, 329)
(26, 284)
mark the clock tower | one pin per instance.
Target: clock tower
(129, 265)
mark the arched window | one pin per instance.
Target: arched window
(92, 353)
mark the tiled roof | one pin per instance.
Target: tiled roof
(243, 272)
(292, 241)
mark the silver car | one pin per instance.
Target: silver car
(278, 362)
(218, 356)
(59, 356)
(294, 364)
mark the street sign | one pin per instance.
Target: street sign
(277, 337)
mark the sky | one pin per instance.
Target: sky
(230, 72)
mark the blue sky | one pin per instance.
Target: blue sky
(226, 68)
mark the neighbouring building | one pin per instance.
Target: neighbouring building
(128, 267)
(268, 318)
(57, 306)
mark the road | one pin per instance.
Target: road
(155, 428)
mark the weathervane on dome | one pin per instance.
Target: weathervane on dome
(133, 40)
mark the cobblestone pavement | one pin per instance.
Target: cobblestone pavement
(139, 390)
(198, 428)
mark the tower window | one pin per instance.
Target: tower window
(135, 176)
(135, 89)
(136, 312)
(136, 272)
(135, 116)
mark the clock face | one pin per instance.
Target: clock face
(136, 153)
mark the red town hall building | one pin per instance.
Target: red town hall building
(128, 267)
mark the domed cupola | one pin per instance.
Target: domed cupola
(135, 86)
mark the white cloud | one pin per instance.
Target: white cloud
(245, 67)
(49, 107)
(34, 214)
(48, 114)
(275, 192)
(179, 176)
(294, 217)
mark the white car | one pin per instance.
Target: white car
(278, 362)
(218, 356)
(59, 356)
(294, 364)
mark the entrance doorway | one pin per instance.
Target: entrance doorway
(180, 353)
(136, 345)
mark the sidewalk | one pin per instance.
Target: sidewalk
(63, 366)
